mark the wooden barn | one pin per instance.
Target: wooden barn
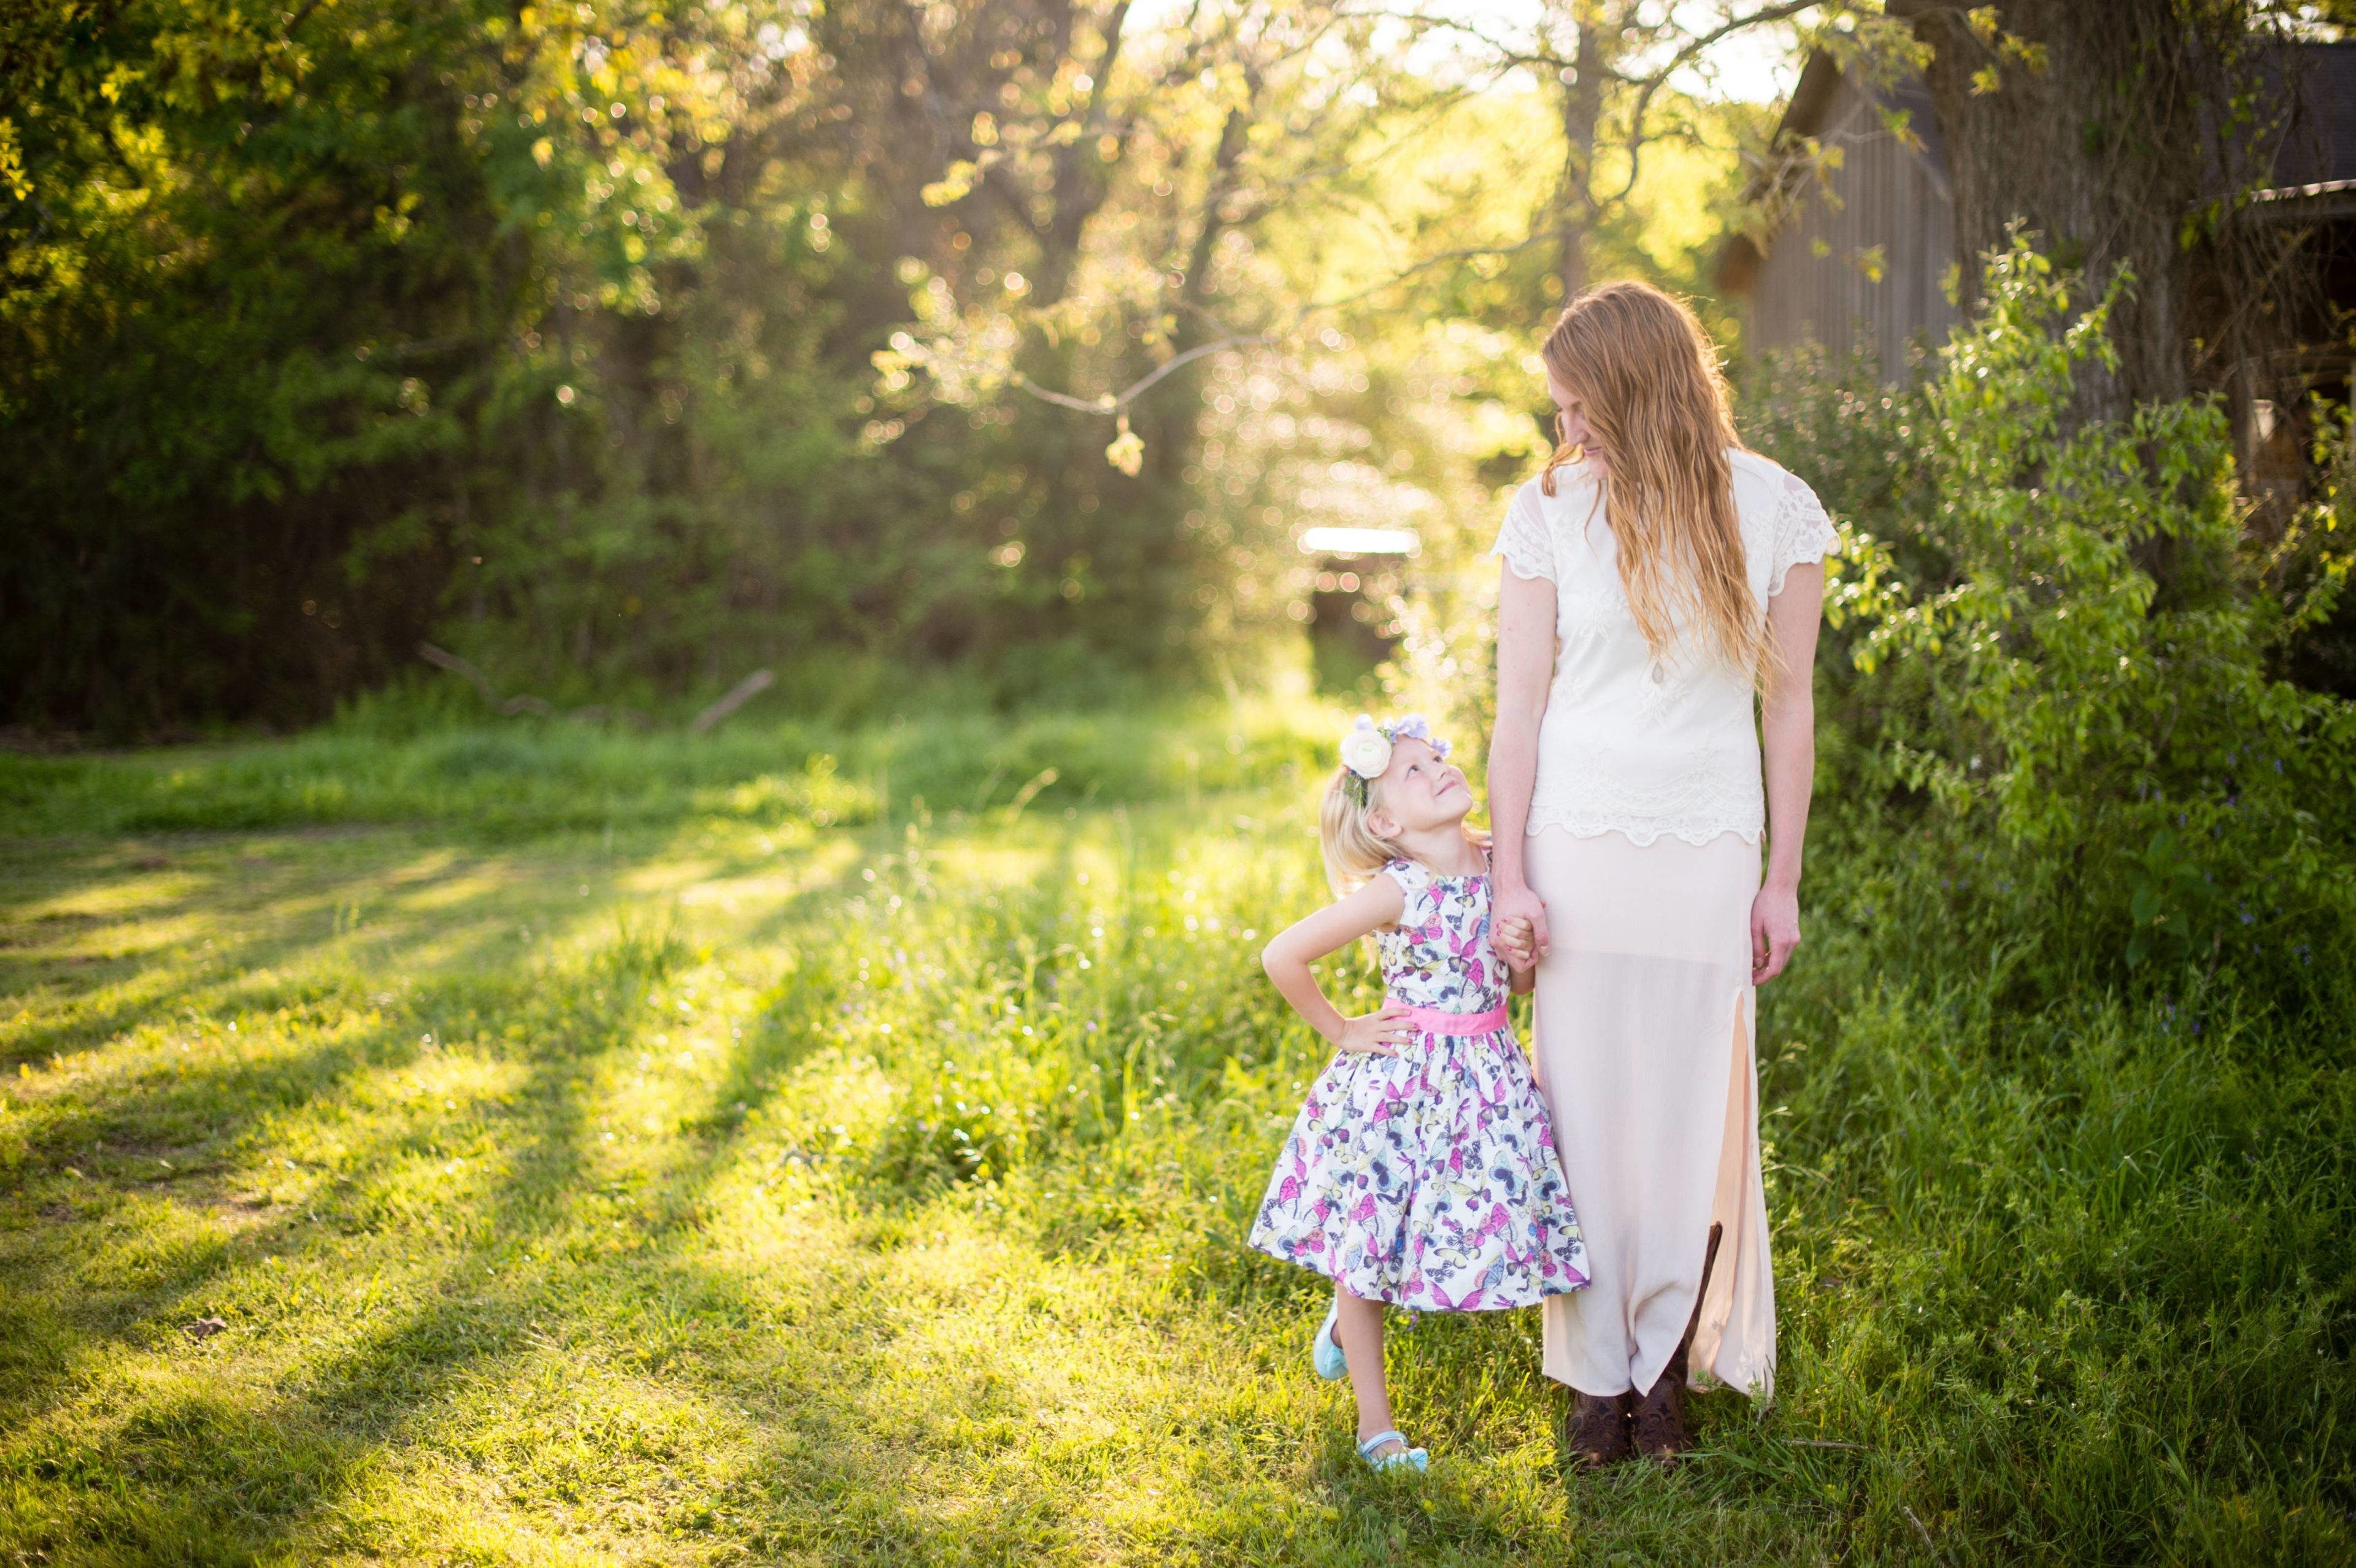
(1872, 267)
(1869, 270)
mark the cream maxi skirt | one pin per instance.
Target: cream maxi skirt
(1646, 1061)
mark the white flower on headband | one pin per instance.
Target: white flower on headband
(1366, 751)
(1367, 748)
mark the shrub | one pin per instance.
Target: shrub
(2059, 649)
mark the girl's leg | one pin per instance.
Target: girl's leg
(1359, 1328)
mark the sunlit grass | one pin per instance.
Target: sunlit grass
(704, 1191)
(791, 778)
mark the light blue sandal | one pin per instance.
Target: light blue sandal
(1325, 1351)
(1402, 1458)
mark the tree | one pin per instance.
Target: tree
(1613, 64)
(1103, 209)
(2127, 136)
(623, 349)
(313, 321)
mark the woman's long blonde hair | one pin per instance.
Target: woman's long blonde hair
(1649, 379)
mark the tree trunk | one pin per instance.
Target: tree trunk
(1083, 174)
(1582, 112)
(1170, 416)
(2098, 149)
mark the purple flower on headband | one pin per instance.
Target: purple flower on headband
(1416, 727)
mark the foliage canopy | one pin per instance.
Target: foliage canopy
(623, 349)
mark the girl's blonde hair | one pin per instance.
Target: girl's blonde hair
(1649, 378)
(1353, 850)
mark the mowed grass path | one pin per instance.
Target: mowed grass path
(721, 1194)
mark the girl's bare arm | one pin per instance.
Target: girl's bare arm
(1292, 951)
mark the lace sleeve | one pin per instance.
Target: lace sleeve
(1524, 541)
(1803, 532)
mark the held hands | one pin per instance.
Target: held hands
(1517, 941)
(1519, 927)
(1379, 1033)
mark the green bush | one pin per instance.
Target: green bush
(2060, 654)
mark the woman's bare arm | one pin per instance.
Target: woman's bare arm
(1787, 734)
(1526, 613)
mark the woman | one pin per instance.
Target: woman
(1657, 578)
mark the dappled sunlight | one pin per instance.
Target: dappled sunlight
(481, 1086)
(446, 888)
(875, 1195)
(360, 1258)
(115, 899)
(124, 938)
(674, 664)
(745, 888)
(751, 878)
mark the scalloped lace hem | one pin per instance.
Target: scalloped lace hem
(1642, 832)
(1528, 563)
(1784, 573)
(1802, 534)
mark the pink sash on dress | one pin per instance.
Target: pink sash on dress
(1435, 1020)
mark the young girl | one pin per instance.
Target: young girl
(1422, 1170)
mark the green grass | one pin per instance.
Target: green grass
(499, 777)
(736, 1187)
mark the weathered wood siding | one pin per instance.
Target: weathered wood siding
(1814, 283)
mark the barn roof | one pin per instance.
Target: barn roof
(2314, 163)
(2312, 177)
(1808, 115)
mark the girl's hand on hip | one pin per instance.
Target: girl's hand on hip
(1379, 1033)
(1512, 907)
(1774, 932)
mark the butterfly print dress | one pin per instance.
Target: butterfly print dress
(1430, 1179)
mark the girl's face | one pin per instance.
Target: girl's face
(1571, 421)
(1418, 791)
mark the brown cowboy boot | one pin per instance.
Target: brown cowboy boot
(1660, 1417)
(1598, 1431)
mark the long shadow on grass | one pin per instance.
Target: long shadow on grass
(204, 1477)
(373, 1394)
(280, 920)
(54, 1307)
(200, 1476)
(121, 1142)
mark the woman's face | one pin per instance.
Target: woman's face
(1571, 421)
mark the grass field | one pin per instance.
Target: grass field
(753, 1177)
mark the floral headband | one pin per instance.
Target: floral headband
(1367, 748)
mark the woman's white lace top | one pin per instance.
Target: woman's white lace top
(1629, 743)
